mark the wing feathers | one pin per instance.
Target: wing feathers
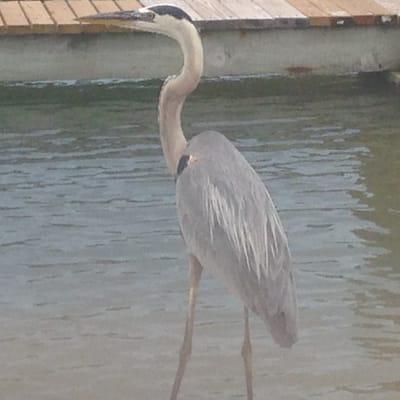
(230, 224)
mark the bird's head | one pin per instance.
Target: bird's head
(162, 18)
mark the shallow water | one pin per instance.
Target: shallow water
(93, 273)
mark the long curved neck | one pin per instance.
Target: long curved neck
(174, 92)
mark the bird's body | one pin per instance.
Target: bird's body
(228, 220)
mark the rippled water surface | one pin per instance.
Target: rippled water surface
(93, 272)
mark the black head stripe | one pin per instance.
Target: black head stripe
(170, 10)
(182, 164)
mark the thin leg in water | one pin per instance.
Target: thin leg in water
(186, 349)
(246, 354)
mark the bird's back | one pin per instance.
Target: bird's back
(230, 224)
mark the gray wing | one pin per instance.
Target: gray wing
(230, 224)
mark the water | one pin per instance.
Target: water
(93, 272)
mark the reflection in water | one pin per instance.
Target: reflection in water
(93, 271)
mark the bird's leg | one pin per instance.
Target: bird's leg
(246, 354)
(186, 349)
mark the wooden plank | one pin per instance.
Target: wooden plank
(393, 6)
(103, 6)
(280, 9)
(307, 8)
(364, 12)
(63, 16)
(222, 7)
(211, 10)
(238, 14)
(14, 18)
(330, 7)
(127, 5)
(374, 7)
(249, 10)
(374, 13)
(82, 8)
(38, 17)
(339, 16)
(316, 16)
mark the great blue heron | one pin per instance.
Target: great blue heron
(228, 221)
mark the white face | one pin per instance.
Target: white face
(153, 22)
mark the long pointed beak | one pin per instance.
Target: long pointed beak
(116, 18)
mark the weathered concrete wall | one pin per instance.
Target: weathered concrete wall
(142, 56)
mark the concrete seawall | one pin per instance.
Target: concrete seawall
(231, 52)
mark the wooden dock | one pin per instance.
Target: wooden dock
(34, 26)
(58, 16)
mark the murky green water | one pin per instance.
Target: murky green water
(93, 270)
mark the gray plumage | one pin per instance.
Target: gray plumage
(230, 224)
(228, 220)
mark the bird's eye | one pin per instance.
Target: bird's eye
(144, 15)
(150, 16)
